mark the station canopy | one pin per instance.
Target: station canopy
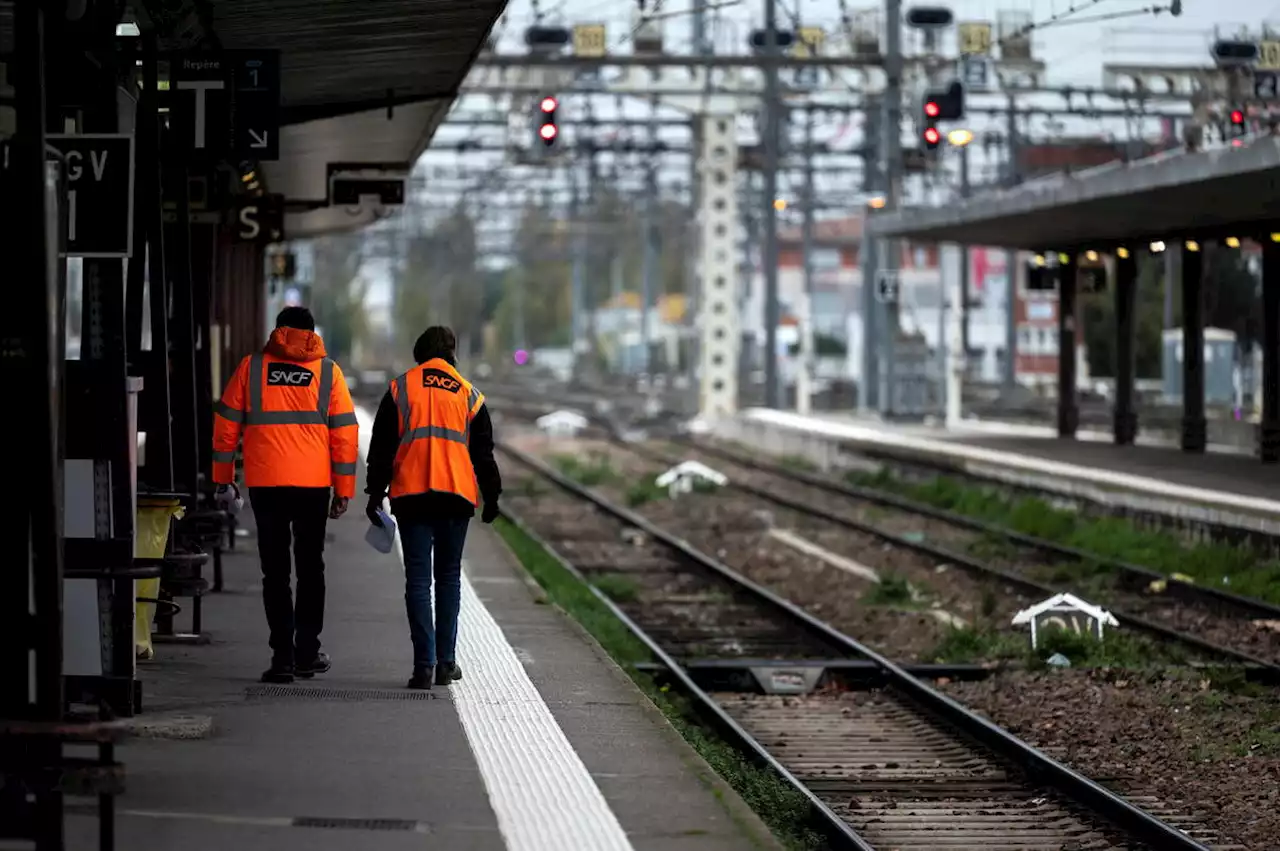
(1169, 195)
(362, 81)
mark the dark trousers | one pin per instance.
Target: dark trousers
(433, 547)
(297, 517)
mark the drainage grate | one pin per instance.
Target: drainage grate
(360, 823)
(266, 692)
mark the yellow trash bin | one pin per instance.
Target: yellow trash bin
(151, 538)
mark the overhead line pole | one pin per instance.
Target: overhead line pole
(769, 255)
(891, 252)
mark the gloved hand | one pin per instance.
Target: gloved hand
(490, 512)
(371, 510)
(227, 498)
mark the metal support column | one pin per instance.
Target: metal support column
(719, 310)
(1125, 418)
(808, 357)
(1012, 177)
(1269, 429)
(869, 261)
(1194, 436)
(966, 286)
(578, 268)
(649, 259)
(31, 326)
(769, 256)
(891, 250)
(1068, 411)
(182, 353)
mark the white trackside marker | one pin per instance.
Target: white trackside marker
(544, 797)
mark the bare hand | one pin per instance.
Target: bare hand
(338, 507)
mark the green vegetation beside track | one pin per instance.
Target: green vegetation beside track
(1233, 569)
(777, 804)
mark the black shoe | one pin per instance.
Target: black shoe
(422, 678)
(278, 673)
(319, 665)
(447, 672)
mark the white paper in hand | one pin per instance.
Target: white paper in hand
(382, 538)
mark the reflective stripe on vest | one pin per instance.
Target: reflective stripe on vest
(255, 416)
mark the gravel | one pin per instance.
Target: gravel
(1211, 748)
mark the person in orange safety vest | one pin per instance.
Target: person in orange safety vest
(291, 404)
(432, 449)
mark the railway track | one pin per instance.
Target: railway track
(885, 761)
(1205, 621)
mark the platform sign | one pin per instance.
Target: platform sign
(974, 38)
(226, 104)
(887, 287)
(259, 219)
(99, 174)
(1268, 56)
(975, 73)
(808, 42)
(1265, 85)
(589, 41)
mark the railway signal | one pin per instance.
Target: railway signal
(548, 130)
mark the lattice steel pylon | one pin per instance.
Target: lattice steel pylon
(718, 215)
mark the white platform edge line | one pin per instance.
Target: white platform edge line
(852, 431)
(544, 797)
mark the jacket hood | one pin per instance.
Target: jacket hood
(295, 344)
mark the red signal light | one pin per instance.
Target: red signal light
(932, 136)
(549, 105)
(1237, 117)
(931, 109)
(547, 132)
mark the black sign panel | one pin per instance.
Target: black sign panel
(226, 104)
(259, 219)
(99, 174)
(288, 375)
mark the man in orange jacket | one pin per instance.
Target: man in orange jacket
(293, 408)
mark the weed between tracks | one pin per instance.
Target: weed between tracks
(780, 807)
(1230, 568)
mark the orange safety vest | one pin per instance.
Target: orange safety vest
(296, 417)
(436, 407)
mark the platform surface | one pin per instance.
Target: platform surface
(1223, 480)
(544, 744)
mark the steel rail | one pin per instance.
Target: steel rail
(821, 817)
(891, 500)
(1269, 670)
(1035, 764)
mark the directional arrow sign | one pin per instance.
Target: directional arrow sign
(256, 110)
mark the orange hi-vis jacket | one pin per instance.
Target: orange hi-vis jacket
(292, 404)
(436, 407)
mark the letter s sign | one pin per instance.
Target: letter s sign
(249, 226)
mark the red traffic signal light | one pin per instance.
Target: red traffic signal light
(548, 132)
(549, 104)
(932, 137)
(1237, 116)
(931, 109)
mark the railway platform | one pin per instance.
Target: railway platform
(544, 743)
(1225, 490)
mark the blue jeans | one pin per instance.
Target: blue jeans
(443, 537)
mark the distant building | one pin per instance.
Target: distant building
(837, 301)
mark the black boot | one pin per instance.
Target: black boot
(319, 665)
(447, 672)
(422, 678)
(279, 672)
